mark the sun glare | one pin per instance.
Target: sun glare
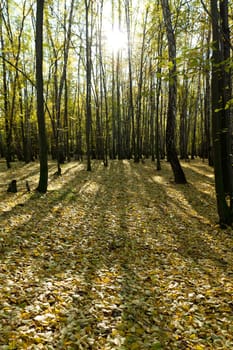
(116, 40)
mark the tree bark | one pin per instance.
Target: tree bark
(88, 85)
(171, 112)
(43, 180)
(138, 148)
(221, 124)
(6, 97)
(130, 69)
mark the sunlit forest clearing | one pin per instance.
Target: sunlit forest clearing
(116, 258)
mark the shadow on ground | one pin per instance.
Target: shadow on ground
(116, 258)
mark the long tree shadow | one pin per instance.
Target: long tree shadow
(113, 273)
(191, 252)
(37, 247)
(105, 263)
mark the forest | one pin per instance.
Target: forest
(118, 80)
(116, 178)
(123, 48)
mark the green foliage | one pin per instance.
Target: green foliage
(229, 104)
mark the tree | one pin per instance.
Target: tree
(60, 85)
(221, 113)
(88, 7)
(5, 92)
(138, 150)
(130, 69)
(171, 112)
(12, 83)
(124, 102)
(43, 180)
(158, 93)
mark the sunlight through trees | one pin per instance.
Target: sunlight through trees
(113, 87)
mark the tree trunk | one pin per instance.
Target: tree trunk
(131, 99)
(88, 85)
(196, 109)
(6, 98)
(105, 96)
(138, 149)
(221, 124)
(207, 105)
(158, 94)
(171, 112)
(43, 181)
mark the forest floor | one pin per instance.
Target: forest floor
(117, 258)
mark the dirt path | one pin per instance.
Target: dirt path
(117, 258)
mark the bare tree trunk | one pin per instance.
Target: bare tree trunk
(171, 113)
(105, 97)
(88, 84)
(196, 108)
(221, 123)
(131, 99)
(138, 148)
(207, 105)
(43, 181)
(5, 95)
(158, 94)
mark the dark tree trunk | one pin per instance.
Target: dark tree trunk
(43, 181)
(207, 105)
(88, 85)
(171, 112)
(12, 187)
(6, 98)
(158, 95)
(196, 107)
(138, 149)
(221, 124)
(131, 99)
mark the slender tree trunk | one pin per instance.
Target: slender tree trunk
(80, 112)
(138, 148)
(171, 113)
(207, 105)
(5, 95)
(113, 143)
(67, 39)
(43, 181)
(118, 108)
(131, 99)
(105, 97)
(88, 85)
(113, 92)
(196, 109)
(158, 94)
(152, 111)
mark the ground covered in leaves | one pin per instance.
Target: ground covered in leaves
(117, 258)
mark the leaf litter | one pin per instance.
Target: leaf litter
(117, 258)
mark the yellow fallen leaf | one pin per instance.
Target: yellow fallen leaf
(193, 336)
(199, 347)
